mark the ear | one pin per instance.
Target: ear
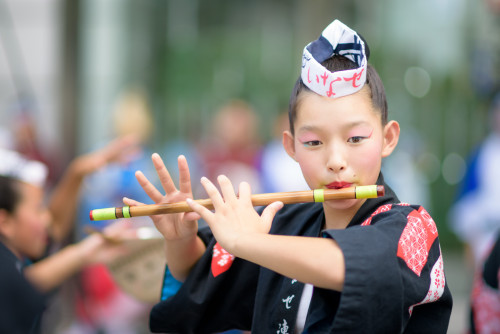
(391, 138)
(289, 144)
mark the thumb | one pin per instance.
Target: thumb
(271, 210)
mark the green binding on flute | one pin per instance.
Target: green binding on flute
(126, 212)
(367, 191)
(319, 195)
(110, 213)
(103, 214)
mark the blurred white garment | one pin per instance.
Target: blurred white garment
(475, 217)
(279, 171)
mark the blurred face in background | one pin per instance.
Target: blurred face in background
(24, 231)
(236, 125)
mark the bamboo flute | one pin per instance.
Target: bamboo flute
(291, 197)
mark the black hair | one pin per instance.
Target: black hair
(341, 63)
(9, 194)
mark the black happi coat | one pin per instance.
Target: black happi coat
(394, 280)
(21, 305)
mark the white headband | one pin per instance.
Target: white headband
(338, 39)
(14, 165)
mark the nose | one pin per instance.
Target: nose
(336, 161)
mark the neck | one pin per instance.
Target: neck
(340, 218)
(11, 248)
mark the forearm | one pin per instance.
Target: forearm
(64, 201)
(49, 273)
(318, 261)
(182, 255)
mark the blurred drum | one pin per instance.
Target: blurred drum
(140, 272)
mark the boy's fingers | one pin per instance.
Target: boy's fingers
(212, 192)
(227, 189)
(149, 188)
(199, 210)
(184, 175)
(245, 192)
(271, 210)
(131, 202)
(163, 174)
(192, 216)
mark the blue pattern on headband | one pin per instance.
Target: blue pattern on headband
(321, 49)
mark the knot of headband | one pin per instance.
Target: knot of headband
(336, 39)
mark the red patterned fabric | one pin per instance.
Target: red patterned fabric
(438, 282)
(417, 239)
(380, 209)
(221, 260)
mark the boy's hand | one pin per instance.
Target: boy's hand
(234, 216)
(173, 226)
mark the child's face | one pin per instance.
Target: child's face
(338, 142)
(27, 225)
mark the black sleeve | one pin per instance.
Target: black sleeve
(394, 279)
(206, 303)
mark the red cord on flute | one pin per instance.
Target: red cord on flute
(291, 197)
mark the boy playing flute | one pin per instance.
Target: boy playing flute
(344, 266)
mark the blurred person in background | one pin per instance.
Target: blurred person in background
(475, 218)
(101, 305)
(279, 172)
(26, 226)
(22, 135)
(491, 273)
(491, 268)
(234, 147)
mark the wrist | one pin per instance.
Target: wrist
(86, 249)
(77, 168)
(240, 245)
(185, 243)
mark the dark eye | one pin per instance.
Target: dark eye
(355, 139)
(311, 143)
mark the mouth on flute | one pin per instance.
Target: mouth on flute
(291, 197)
